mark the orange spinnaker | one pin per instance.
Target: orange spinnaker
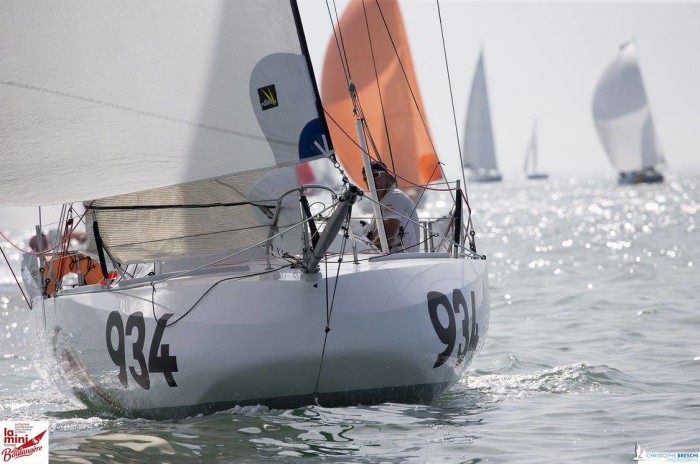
(400, 134)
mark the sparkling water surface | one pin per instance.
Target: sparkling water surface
(593, 346)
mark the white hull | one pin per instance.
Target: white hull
(261, 339)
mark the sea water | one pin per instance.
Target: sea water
(593, 346)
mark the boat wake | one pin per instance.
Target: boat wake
(572, 379)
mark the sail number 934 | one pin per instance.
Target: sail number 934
(156, 364)
(448, 334)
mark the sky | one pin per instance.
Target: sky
(542, 62)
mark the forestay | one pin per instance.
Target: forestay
(103, 98)
(621, 114)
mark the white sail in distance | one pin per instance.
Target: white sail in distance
(531, 153)
(622, 116)
(478, 144)
(103, 98)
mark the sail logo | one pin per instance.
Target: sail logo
(28, 441)
(268, 97)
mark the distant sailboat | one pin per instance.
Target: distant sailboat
(479, 149)
(530, 166)
(623, 120)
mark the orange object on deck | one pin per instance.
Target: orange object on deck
(57, 267)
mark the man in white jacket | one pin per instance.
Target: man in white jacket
(398, 212)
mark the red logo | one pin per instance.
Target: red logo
(17, 444)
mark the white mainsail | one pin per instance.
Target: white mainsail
(478, 144)
(105, 98)
(622, 117)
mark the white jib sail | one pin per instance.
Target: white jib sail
(100, 98)
(621, 114)
(479, 149)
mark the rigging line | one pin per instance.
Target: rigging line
(166, 325)
(42, 252)
(62, 219)
(68, 223)
(340, 261)
(367, 131)
(328, 313)
(232, 187)
(337, 124)
(379, 89)
(411, 221)
(422, 192)
(369, 137)
(298, 224)
(339, 42)
(407, 181)
(346, 69)
(203, 234)
(465, 194)
(470, 225)
(179, 206)
(452, 100)
(403, 70)
(66, 236)
(16, 280)
(329, 310)
(360, 114)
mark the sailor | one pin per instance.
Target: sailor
(398, 212)
(31, 274)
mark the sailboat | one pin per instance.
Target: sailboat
(530, 166)
(179, 126)
(623, 120)
(478, 145)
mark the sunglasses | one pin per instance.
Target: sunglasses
(375, 174)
